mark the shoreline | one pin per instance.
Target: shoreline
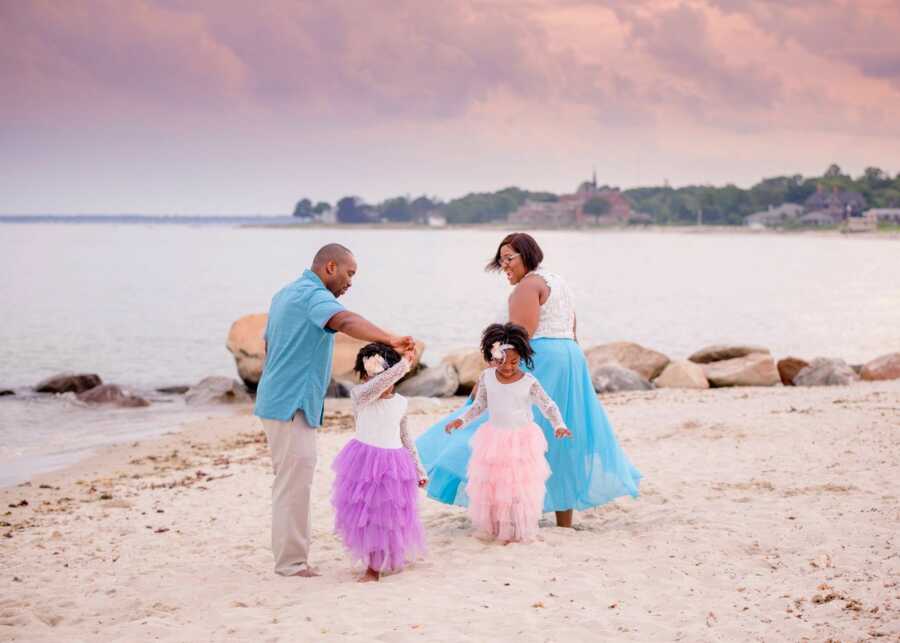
(763, 514)
(635, 229)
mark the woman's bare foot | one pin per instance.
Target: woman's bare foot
(370, 576)
(564, 518)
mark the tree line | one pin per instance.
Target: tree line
(723, 205)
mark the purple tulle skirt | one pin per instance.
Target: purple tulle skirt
(375, 498)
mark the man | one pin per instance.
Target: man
(290, 398)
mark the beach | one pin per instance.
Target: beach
(765, 514)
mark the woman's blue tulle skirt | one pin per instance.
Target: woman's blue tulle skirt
(587, 469)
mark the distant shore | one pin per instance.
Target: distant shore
(636, 229)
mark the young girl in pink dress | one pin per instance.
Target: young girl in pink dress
(508, 471)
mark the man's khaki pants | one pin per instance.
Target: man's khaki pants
(293, 448)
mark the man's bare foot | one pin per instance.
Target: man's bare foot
(370, 576)
(307, 572)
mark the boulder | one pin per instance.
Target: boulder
(6, 391)
(647, 363)
(173, 390)
(721, 352)
(788, 369)
(440, 381)
(468, 364)
(246, 344)
(340, 388)
(755, 369)
(886, 367)
(111, 394)
(612, 378)
(825, 371)
(69, 383)
(217, 390)
(682, 374)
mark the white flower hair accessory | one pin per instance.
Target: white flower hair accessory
(498, 351)
(374, 364)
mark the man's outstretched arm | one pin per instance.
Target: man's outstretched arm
(358, 327)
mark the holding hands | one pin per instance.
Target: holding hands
(452, 426)
(403, 344)
(562, 432)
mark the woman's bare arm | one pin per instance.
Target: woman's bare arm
(525, 304)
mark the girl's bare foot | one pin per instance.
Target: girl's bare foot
(370, 576)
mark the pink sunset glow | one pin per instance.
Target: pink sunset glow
(177, 106)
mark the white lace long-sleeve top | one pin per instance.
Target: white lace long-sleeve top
(381, 422)
(509, 405)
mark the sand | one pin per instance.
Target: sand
(766, 514)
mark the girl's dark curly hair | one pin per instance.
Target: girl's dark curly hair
(390, 356)
(511, 334)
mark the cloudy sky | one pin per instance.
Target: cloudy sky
(227, 106)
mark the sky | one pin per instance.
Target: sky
(232, 107)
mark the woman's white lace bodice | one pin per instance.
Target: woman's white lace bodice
(557, 316)
(509, 405)
(381, 422)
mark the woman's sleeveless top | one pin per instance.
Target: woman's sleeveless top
(557, 316)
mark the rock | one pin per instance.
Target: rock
(111, 394)
(246, 344)
(682, 374)
(440, 381)
(886, 367)
(788, 369)
(69, 383)
(755, 369)
(825, 371)
(173, 390)
(721, 352)
(6, 391)
(339, 388)
(468, 364)
(611, 378)
(216, 390)
(647, 363)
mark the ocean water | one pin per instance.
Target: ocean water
(150, 304)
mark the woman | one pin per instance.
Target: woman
(587, 470)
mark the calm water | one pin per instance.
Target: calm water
(150, 305)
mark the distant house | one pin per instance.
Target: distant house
(775, 215)
(885, 215)
(328, 216)
(818, 218)
(436, 220)
(569, 210)
(840, 204)
(866, 223)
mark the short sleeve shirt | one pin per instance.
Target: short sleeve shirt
(299, 349)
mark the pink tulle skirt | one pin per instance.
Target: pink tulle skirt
(375, 499)
(507, 477)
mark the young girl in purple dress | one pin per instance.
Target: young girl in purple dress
(377, 474)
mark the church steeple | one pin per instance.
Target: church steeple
(594, 179)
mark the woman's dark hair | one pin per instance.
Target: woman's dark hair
(390, 356)
(525, 245)
(511, 334)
